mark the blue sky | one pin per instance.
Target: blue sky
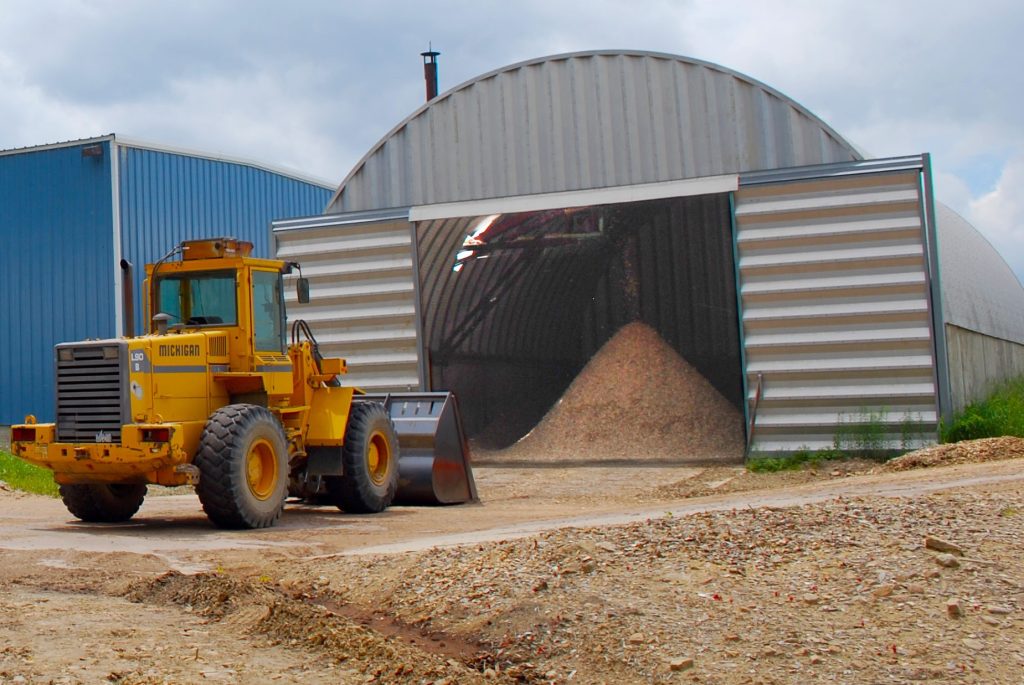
(312, 85)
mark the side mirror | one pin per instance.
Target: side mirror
(302, 289)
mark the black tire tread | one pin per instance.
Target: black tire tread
(354, 492)
(103, 503)
(221, 483)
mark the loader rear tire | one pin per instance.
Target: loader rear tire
(243, 467)
(369, 460)
(103, 503)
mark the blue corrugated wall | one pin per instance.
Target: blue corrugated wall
(56, 267)
(168, 197)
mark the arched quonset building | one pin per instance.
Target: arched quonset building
(598, 188)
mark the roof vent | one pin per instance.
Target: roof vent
(430, 71)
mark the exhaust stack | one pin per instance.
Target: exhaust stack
(128, 291)
(430, 72)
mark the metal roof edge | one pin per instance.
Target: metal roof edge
(832, 169)
(217, 157)
(707, 185)
(344, 218)
(170, 149)
(57, 146)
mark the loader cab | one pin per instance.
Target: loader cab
(216, 286)
(198, 298)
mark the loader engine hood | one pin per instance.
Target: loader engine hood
(169, 375)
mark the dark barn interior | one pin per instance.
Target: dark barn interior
(514, 305)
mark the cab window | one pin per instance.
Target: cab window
(198, 299)
(267, 311)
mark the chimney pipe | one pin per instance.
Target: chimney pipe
(430, 71)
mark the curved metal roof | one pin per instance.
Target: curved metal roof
(980, 292)
(586, 120)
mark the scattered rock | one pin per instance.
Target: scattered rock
(680, 664)
(810, 598)
(953, 608)
(940, 545)
(883, 590)
(636, 639)
(947, 560)
(999, 610)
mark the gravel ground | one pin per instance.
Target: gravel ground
(847, 591)
(915, 588)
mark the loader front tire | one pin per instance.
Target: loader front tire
(369, 460)
(243, 467)
(103, 503)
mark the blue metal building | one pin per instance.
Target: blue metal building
(69, 212)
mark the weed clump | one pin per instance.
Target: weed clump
(1002, 413)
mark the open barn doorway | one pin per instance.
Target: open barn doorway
(514, 305)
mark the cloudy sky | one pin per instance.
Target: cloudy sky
(313, 84)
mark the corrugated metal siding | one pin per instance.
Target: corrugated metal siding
(363, 295)
(57, 271)
(834, 285)
(166, 198)
(979, 363)
(586, 120)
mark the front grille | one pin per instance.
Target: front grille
(91, 395)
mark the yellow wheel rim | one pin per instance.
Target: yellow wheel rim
(378, 458)
(261, 469)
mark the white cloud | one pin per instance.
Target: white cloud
(1000, 214)
(313, 84)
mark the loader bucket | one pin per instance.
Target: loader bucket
(433, 463)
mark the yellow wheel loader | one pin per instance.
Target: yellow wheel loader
(216, 396)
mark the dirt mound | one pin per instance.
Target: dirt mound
(296, 617)
(635, 399)
(965, 452)
(723, 480)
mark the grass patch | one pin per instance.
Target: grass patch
(23, 476)
(1001, 414)
(791, 462)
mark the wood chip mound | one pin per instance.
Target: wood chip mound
(636, 399)
(965, 452)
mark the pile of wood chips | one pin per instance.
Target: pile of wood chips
(636, 399)
(965, 452)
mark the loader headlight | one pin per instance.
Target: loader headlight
(156, 435)
(23, 434)
(65, 354)
(110, 353)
